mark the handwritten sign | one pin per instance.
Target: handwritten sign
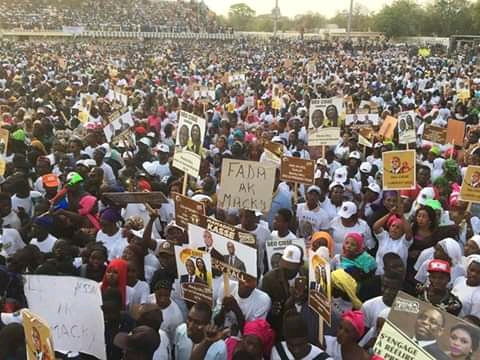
(399, 170)
(435, 134)
(471, 185)
(297, 170)
(246, 185)
(71, 329)
(187, 210)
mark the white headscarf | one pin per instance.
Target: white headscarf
(476, 239)
(453, 250)
(473, 258)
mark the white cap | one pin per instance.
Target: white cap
(146, 141)
(354, 155)
(334, 184)
(292, 256)
(201, 197)
(162, 148)
(11, 318)
(425, 194)
(340, 175)
(314, 188)
(366, 167)
(378, 145)
(150, 168)
(347, 210)
(322, 162)
(277, 139)
(374, 188)
(90, 162)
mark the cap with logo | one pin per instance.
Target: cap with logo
(347, 210)
(437, 265)
(291, 258)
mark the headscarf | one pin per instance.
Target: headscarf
(324, 235)
(357, 320)
(37, 145)
(120, 266)
(394, 220)
(453, 250)
(476, 239)
(358, 240)
(262, 329)
(364, 262)
(111, 215)
(346, 283)
(473, 258)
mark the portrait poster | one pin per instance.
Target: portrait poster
(189, 143)
(365, 137)
(407, 133)
(4, 134)
(320, 287)
(361, 120)
(228, 256)
(324, 124)
(38, 337)
(229, 231)
(246, 185)
(417, 330)
(194, 269)
(275, 249)
(470, 190)
(118, 126)
(399, 170)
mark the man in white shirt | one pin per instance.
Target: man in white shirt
(108, 175)
(10, 242)
(9, 218)
(311, 212)
(41, 236)
(162, 165)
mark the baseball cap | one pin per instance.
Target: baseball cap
(322, 162)
(142, 339)
(354, 155)
(435, 150)
(378, 145)
(149, 167)
(425, 194)
(334, 184)
(50, 180)
(340, 175)
(166, 247)
(162, 148)
(73, 178)
(347, 210)
(437, 265)
(374, 188)
(366, 167)
(314, 188)
(19, 135)
(172, 224)
(291, 257)
(277, 139)
(146, 141)
(434, 204)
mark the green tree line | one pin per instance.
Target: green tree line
(401, 18)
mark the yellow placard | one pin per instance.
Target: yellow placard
(470, 190)
(399, 170)
(37, 337)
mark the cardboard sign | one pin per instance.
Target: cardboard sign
(187, 210)
(407, 133)
(227, 255)
(455, 132)
(275, 249)
(323, 127)
(361, 120)
(399, 170)
(320, 288)
(409, 332)
(3, 167)
(229, 231)
(38, 337)
(4, 134)
(153, 198)
(365, 137)
(388, 127)
(297, 170)
(189, 143)
(118, 126)
(435, 134)
(470, 190)
(246, 185)
(194, 270)
(65, 313)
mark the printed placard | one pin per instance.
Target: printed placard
(118, 126)
(189, 143)
(297, 170)
(187, 210)
(275, 249)
(229, 231)
(154, 198)
(194, 270)
(406, 127)
(320, 288)
(417, 330)
(361, 120)
(470, 190)
(323, 128)
(399, 170)
(38, 337)
(4, 134)
(435, 134)
(246, 185)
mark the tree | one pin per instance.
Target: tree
(402, 18)
(241, 16)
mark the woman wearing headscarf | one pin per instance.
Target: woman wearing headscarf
(319, 239)
(110, 233)
(472, 247)
(257, 341)
(467, 288)
(448, 250)
(116, 278)
(345, 346)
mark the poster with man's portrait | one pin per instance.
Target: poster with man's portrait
(227, 255)
(417, 330)
(194, 271)
(470, 190)
(38, 337)
(407, 133)
(399, 170)
(324, 121)
(320, 287)
(189, 143)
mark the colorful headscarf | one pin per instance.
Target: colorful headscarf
(346, 283)
(355, 318)
(364, 262)
(121, 267)
(324, 235)
(262, 329)
(358, 240)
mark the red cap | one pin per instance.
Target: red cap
(140, 130)
(436, 265)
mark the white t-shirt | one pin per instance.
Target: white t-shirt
(46, 245)
(330, 209)
(115, 244)
(25, 203)
(468, 295)
(108, 175)
(386, 244)
(164, 350)
(338, 232)
(11, 242)
(314, 352)
(333, 348)
(172, 317)
(162, 170)
(290, 236)
(12, 221)
(317, 217)
(371, 309)
(138, 294)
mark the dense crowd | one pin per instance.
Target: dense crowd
(59, 164)
(124, 15)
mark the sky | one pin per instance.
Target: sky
(291, 8)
